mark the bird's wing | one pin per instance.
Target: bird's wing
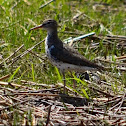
(71, 56)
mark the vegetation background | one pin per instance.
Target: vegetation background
(75, 18)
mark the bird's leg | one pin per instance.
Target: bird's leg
(64, 88)
(74, 82)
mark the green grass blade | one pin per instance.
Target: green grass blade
(14, 74)
(85, 93)
(33, 73)
(79, 80)
(58, 74)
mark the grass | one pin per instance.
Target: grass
(17, 17)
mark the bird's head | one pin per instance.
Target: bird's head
(48, 25)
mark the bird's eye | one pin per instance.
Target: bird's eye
(48, 22)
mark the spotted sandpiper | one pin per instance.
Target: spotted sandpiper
(61, 55)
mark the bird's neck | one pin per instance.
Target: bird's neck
(52, 38)
(52, 34)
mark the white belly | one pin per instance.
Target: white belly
(71, 67)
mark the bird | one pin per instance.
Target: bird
(64, 57)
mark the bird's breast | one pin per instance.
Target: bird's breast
(46, 45)
(47, 51)
(48, 48)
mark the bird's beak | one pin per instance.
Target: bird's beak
(39, 26)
